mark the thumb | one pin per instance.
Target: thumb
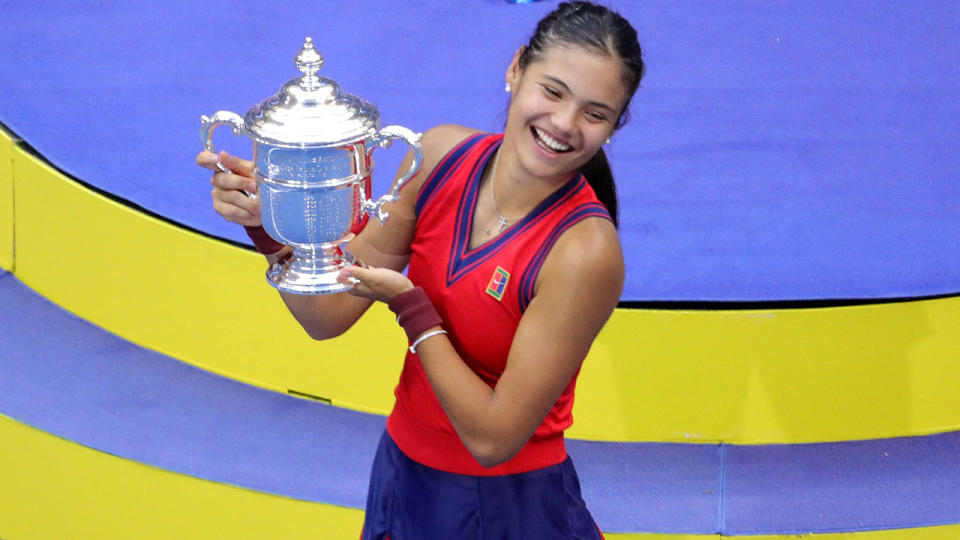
(235, 164)
(356, 272)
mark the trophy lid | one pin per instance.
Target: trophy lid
(311, 110)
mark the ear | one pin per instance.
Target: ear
(513, 70)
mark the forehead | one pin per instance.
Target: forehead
(589, 74)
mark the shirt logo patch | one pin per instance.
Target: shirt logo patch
(498, 283)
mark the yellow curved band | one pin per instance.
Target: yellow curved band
(764, 376)
(53, 488)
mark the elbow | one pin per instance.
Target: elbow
(491, 453)
(320, 333)
(491, 461)
(320, 336)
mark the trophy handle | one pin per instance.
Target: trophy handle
(385, 138)
(209, 123)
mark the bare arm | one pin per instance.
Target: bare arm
(577, 290)
(383, 246)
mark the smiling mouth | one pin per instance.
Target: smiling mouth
(548, 143)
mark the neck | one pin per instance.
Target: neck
(516, 192)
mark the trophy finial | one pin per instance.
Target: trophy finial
(308, 61)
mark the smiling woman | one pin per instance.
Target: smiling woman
(595, 49)
(513, 267)
(566, 103)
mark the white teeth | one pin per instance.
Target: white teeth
(550, 142)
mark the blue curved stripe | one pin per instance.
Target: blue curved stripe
(529, 277)
(69, 378)
(439, 174)
(465, 208)
(462, 259)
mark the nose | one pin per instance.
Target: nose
(564, 120)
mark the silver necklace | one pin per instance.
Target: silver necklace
(502, 222)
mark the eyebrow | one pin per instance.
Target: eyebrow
(600, 104)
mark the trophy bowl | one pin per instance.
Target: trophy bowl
(312, 147)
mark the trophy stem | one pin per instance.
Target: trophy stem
(311, 270)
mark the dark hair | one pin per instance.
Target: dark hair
(599, 29)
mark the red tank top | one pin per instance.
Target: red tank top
(481, 294)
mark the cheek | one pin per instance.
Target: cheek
(594, 135)
(526, 102)
(519, 111)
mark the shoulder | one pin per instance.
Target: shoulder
(588, 259)
(435, 143)
(453, 132)
(589, 243)
(438, 141)
(577, 288)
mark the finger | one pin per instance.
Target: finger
(357, 288)
(235, 164)
(238, 199)
(360, 279)
(234, 213)
(227, 202)
(228, 181)
(363, 273)
(207, 160)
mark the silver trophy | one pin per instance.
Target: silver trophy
(312, 149)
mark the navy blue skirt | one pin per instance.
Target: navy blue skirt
(410, 501)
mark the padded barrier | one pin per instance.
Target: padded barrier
(743, 376)
(59, 489)
(99, 391)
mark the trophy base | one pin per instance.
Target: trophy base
(300, 275)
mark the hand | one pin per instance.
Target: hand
(229, 199)
(379, 284)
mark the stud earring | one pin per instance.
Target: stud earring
(608, 141)
(507, 88)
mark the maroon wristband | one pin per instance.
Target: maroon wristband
(415, 312)
(262, 240)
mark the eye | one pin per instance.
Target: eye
(595, 116)
(551, 91)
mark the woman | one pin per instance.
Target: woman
(514, 267)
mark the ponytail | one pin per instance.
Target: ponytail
(600, 177)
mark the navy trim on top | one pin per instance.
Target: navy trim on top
(439, 175)
(462, 259)
(465, 210)
(529, 277)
